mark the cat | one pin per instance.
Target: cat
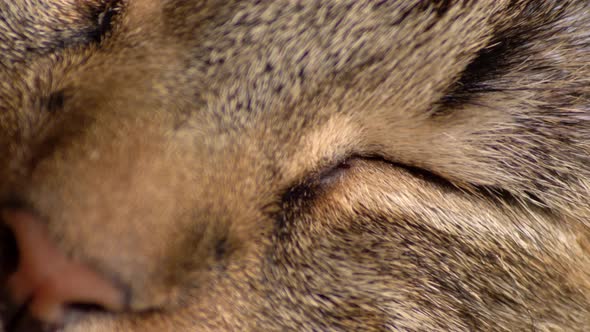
(295, 165)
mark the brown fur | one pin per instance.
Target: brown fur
(308, 165)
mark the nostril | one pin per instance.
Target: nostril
(9, 254)
(8, 265)
(85, 307)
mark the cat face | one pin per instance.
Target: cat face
(282, 165)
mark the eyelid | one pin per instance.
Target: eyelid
(331, 175)
(308, 187)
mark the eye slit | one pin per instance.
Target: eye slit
(333, 174)
(309, 188)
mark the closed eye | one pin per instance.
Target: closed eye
(319, 182)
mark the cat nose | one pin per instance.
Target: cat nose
(45, 282)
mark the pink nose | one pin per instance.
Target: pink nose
(46, 280)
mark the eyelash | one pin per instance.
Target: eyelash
(308, 188)
(328, 176)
